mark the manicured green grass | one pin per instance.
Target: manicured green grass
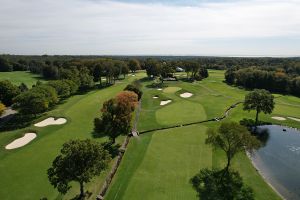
(165, 168)
(153, 169)
(23, 171)
(19, 77)
(171, 89)
(156, 165)
(180, 113)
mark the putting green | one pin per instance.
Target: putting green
(180, 113)
(171, 89)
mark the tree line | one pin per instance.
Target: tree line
(281, 80)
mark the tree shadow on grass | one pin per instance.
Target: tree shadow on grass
(17, 121)
(221, 185)
(87, 195)
(113, 149)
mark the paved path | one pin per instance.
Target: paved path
(134, 130)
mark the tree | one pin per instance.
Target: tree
(116, 115)
(23, 87)
(79, 161)
(64, 88)
(31, 103)
(134, 65)
(229, 76)
(2, 108)
(259, 100)
(152, 67)
(134, 89)
(124, 69)
(86, 80)
(36, 100)
(48, 92)
(212, 185)
(5, 66)
(231, 138)
(8, 91)
(50, 72)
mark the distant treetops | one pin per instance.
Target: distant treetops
(282, 80)
(194, 69)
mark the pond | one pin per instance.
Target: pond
(279, 159)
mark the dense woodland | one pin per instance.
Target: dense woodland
(283, 79)
(69, 75)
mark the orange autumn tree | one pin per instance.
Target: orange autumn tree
(116, 115)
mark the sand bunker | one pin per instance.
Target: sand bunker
(155, 97)
(295, 119)
(162, 103)
(279, 118)
(51, 121)
(17, 143)
(186, 95)
(159, 88)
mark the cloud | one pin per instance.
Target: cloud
(114, 27)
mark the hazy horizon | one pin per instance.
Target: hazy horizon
(223, 28)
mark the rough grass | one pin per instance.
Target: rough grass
(19, 77)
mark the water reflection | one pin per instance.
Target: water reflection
(279, 159)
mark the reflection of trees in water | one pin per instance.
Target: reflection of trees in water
(263, 135)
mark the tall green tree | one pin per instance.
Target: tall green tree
(5, 66)
(134, 65)
(214, 185)
(116, 115)
(259, 100)
(232, 138)
(8, 91)
(79, 161)
(135, 89)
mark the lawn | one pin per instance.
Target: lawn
(164, 162)
(23, 171)
(156, 165)
(159, 165)
(19, 77)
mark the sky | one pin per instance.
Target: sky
(153, 27)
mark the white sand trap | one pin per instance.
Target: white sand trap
(279, 118)
(155, 97)
(17, 143)
(186, 95)
(159, 88)
(295, 119)
(51, 121)
(132, 74)
(162, 103)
